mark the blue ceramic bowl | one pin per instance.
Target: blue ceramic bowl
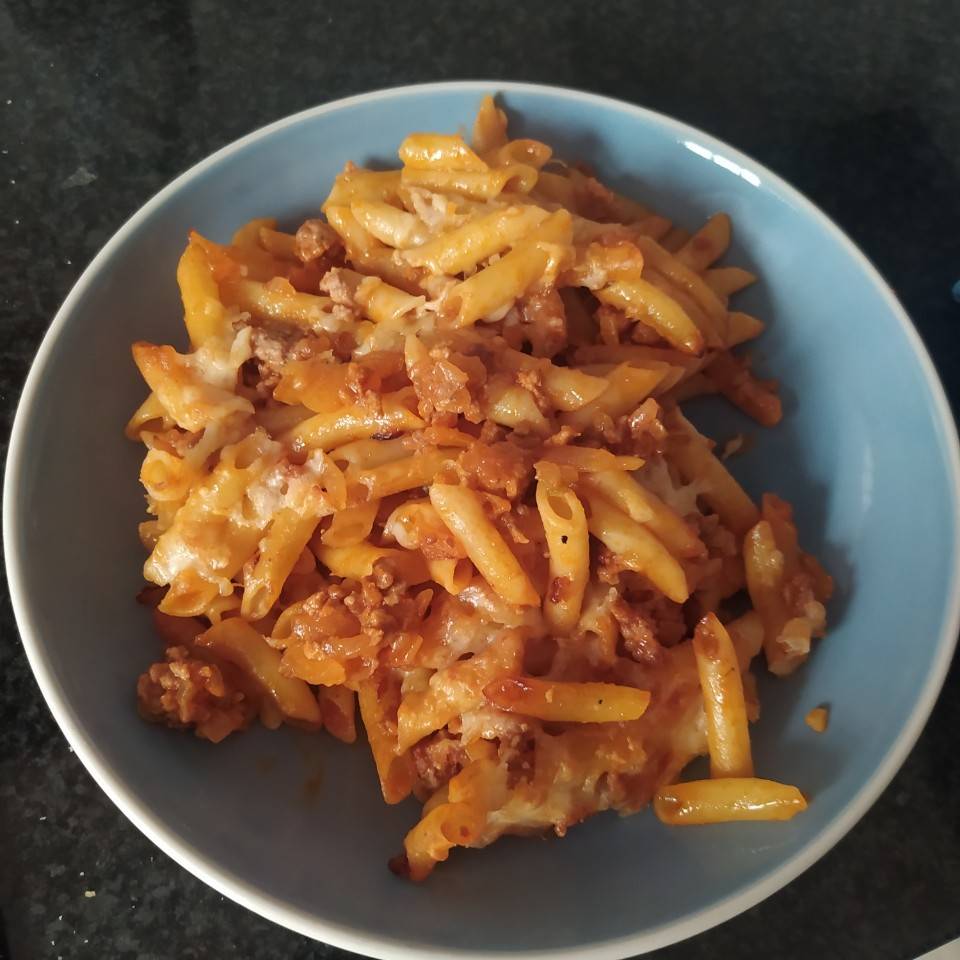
(292, 826)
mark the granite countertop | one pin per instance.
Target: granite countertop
(101, 104)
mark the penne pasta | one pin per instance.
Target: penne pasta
(357, 183)
(453, 575)
(379, 698)
(636, 548)
(248, 236)
(740, 387)
(384, 303)
(647, 508)
(674, 239)
(338, 705)
(724, 705)
(398, 476)
(456, 689)
(189, 399)
(556, 188)
(358, 560)
(327, 431)
(416, 525)
(708, 244)
(683, 277)
(429, 151)
(359, 243)
(431, 840)
(279, 418)
(150, 411)
(641, 300)
(512, 406)
(721, 801)
(351, 526)
(279, 551)
(726, 281)
(566, 388)
(203, 311)
(627, 388)
(485, 185)
(425, 458)
(281, 245)
(462, 249)
(278, 301)
(366, 453)
(560, 702)
(565, 528)
(389, 224)
(741, 327)
(489, 128)
(532, 153)
(695, 461)
(462, 512)
(494, 289)
(588, 459)
(236, 641)
(746, 634)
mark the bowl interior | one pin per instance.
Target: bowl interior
(294, 825)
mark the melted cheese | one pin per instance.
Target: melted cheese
(655, 476)
(217, 361)
(199, 388)
(436, 211)
(219, 527)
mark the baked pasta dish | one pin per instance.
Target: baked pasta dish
(424, 459)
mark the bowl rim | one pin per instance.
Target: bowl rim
(345, 936)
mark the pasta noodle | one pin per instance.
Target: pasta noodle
(424, 459)
(565, 528)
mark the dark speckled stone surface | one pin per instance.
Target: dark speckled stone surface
(858, 104)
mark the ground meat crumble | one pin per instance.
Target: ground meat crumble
(544, 323)
(314, 239)
(437, 759)
(184, 692)
(447, 384)
(272, 351)
(502, 468)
